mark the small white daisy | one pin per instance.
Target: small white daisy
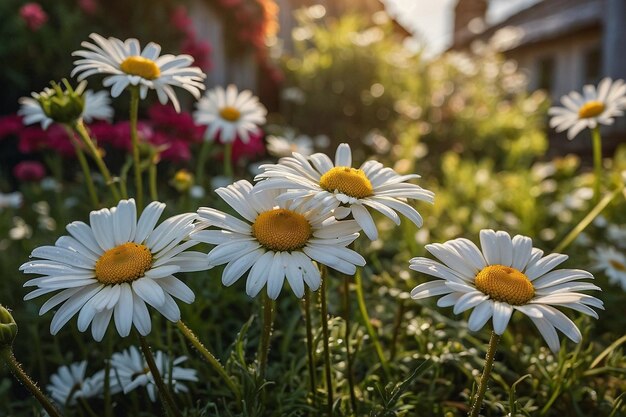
(11, 200)
(316, 181)
(229, 114)
(97, 106)
(125, 63)
(617, 235)
(612, 263)
(275, 241)
(506, 275)
(289, 143)
(69, 383)
(129, 371)
(593, 107)
(115, 267)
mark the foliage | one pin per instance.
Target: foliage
(34, 57)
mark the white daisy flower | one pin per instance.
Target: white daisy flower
(507, 275)
(317, 182)
(593, 107)
(129, 370)
(276, 240)
(97, 106)
(69, 383)
(289, 143)
(229, 114)
(612, 263)
(115, 267)
(125, 63)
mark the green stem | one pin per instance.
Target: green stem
(484, 379)
(134, 110)
(586, 221)
(597, 163)
(324, 318)
(309, 344)
(15, 367)
(368, 323)
(396, 328)
(268, 322)
(346, 300)
(228, 159)
(164, 393)
(85, 167)
(212, 360)
(108, 410)
(200, 169)
(152, 175)
(79, 127)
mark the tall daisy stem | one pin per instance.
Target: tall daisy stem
(200, 167)
(268, 322)
(152, 175)
(368, 323)
(80, 155)
(79, 127)
(597, 162)
(309, 345)
(484, 379)
(164, 392)
(134, 110)
(208, 356)
(228, 159)
(346, 305)
(327, 367)
(16, 368)
(586, 221)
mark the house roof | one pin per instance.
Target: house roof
(546, 20)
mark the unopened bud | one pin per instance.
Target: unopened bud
(182, 181)
(8, 328)
(62, 106)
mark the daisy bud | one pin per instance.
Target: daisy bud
(63, 106)
(182, 181)
(8, 328)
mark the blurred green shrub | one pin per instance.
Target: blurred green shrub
(354, 81)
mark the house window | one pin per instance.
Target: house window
(545, 79)
(593, 65)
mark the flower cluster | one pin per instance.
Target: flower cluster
(128, 372)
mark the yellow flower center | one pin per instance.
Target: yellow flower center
(506, 284)
(281, 230)
(591, 109)
(143, 67)
(617, 265)
(349, 181)
(230, 113)
(123, 263)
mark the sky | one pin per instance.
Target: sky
(432, 20)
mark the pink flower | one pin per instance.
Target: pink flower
(29, 171)
(33, 15)
(199, 50)
(251, 150)
(118, 135)
(35, 139)
(180, 20)
(179, 125)
(10, 125)
(89, 7)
